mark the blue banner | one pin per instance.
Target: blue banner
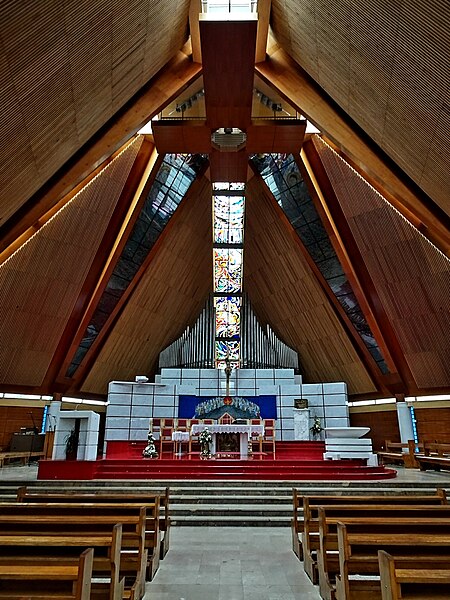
(239, 407)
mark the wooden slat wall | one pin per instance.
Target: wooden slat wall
(411, 276)
(12, 418)
(387, 65)
(65, 69)
(433, 424)
(285, 293)
(170, 295)
(383, 425)
(41, 282)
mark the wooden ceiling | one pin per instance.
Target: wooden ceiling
(65, 70)
(285, 292)
(80, 78)
(386, 65)
(411, 276)
(40, 284)
(169, 296)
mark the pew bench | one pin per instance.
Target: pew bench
(358, 556)
(91, 515)
(22, 457)
(43, 548)
(305, 521)
(148, 497)
(400, 453)
(48, 580)
(349, 546)
(405, 582)
(69, 522)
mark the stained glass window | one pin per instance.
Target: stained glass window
(227, 270)
(228, 316)
(228, 219)
(228, 225)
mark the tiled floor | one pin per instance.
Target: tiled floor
(228, 563)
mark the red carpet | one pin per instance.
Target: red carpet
(294, 461)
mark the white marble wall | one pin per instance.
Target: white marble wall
(131, 405)
(88, 438)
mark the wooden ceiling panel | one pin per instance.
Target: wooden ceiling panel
(412, 277)
(228, 166)
(227, 45)
(387, 65)
(192, 137)
(285, 293)
(169, 296)
(65, 70)
(40, 283)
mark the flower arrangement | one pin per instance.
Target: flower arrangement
(316, 428)
(205, 440)
(150, 450)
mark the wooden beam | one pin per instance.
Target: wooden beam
(179, 73)
(280, 72)
(137, 173)
(228, 52)
(228, 166)
(140, 196)
(263, 29)
(275, 135)
(194, 28)
(101, 339)
(402, 380)
(177, 136)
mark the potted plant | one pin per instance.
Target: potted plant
(71, 441)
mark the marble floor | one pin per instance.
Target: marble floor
(230, 563)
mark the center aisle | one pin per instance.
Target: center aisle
(230, 563)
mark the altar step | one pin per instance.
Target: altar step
(236, 503)
(238, 469)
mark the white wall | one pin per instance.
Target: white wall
(131, 405)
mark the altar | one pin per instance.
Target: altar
(244, 431)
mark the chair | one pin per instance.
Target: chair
(268, 439)
(193, 439)
(165, 438)
(256, 439)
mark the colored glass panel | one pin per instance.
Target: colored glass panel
(228, 219)
(228, 317)
(174, 177)
(228, 349)
(282, 176)
(227, 270)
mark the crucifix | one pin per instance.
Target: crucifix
(228, 371)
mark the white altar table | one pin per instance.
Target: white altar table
(244, 431)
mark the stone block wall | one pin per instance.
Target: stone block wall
(131, 405)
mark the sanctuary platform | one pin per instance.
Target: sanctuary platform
(301, 461)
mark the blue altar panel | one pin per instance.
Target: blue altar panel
(239, 407)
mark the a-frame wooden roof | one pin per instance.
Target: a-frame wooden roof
(78, 81)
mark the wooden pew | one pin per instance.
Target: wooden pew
(115, 510)
(376, 525)
(40, 550)
(305, 528)
(394, 452)
(26, 580)
(425, 544)
(400, 581)
(23, 457)
(143, 498)
(140, 535)
(435, 456)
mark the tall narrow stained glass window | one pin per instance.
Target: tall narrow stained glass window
(228, 232)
